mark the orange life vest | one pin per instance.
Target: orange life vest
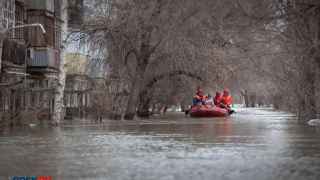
(217, 99)
(227, 100)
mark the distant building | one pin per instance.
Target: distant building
(84, 77)
(76, 63)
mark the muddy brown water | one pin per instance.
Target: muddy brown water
(253, 144)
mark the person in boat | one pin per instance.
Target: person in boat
(217, 99)
(199, 97)
(209, 100)
(226, 101)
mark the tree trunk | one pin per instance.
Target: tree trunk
(1, 46)
(245, 97)
(2, 33)
(117, 98)
(116, 107)
(317, 86)
(253, 99)
(1, 42)
(276, 101)
(310, 108)
(144, 103)
(58, 114)
(134, 95)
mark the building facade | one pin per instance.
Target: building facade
(85, 90)
(29, 57)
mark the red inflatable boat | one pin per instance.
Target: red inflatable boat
(208, 111)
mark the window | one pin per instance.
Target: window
(7, 15)
(57, 34)
(19, 20)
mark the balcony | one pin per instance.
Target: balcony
(43, 60)
(13, 56)
(47, 5)
(35, 36)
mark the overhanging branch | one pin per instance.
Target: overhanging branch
(171, 74)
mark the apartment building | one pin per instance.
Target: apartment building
(29, 55)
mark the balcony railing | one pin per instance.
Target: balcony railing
(13, 52)
(35, 36)
(43, 58)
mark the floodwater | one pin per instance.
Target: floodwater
(253, 144)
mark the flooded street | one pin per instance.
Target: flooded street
(257, 144)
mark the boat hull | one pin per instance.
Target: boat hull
(208, 111)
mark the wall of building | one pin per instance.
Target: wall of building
(27, 91)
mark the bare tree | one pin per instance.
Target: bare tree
(58, 114)
(256, 48)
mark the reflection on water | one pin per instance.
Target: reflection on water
(252, 144)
